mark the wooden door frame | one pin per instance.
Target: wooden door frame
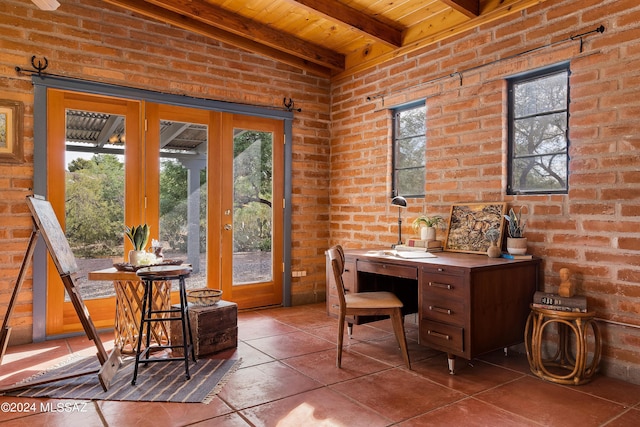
(42, 83)
(61, 319)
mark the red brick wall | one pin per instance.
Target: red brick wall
(90, 40)
(594, 230)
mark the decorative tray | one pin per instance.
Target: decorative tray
(125, 266)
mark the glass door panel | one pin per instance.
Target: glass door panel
(252, 193)
(94, 195)
(183, 196)
(177, 187)
(252, 206)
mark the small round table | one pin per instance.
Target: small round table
(579, 365)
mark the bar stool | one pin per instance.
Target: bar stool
(181, 314)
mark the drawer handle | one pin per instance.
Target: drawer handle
(335, 306)
(346, 270)
(440, 285)
(440, 269)
(439, 309)
(439, 335)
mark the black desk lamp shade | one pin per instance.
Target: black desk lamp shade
(400, 202)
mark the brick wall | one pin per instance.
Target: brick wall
(594, 230)
(91, 40)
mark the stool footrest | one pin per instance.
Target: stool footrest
(161, 319)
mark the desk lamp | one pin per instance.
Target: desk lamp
(400, 202)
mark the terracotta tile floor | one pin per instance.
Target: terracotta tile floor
(288, 378)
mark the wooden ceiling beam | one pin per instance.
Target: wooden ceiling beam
(220, 18)
(343, 14)
(470, 8)
(497, 9)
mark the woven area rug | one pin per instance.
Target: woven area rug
(156, 382)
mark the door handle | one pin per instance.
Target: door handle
(228, 226)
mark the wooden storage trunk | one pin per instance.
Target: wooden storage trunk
(214, 328)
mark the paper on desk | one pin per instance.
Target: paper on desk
(409, 254)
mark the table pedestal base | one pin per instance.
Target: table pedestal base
(129, 295)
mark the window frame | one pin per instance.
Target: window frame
(394, 138)
(511, 83)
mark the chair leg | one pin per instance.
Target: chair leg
(340, 339)
(398, 327)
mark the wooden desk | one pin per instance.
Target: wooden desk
(467, 304)
(129, 291)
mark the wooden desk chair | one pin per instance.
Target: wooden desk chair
(366, 304)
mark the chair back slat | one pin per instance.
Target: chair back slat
(336, 256)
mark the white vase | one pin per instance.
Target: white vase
(517, 245)
(136, 256)
(428, 233)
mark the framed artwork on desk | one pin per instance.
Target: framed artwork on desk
(468, 224)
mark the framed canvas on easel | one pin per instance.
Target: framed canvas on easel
(46, 224)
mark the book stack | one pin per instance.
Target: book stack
(576, 303)
(424, 245)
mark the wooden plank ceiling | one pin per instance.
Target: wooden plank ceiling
(327, 37)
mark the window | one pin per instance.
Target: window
(409, 150)
(538, 128)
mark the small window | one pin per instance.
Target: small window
(538, 132)
(409, 150)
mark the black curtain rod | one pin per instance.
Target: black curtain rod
(38, 70)
(580, 36)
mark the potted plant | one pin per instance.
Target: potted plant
(492, 235)
(138, 236)
(516, 242)
(427, 226)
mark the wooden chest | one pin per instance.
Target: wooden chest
(214, 328)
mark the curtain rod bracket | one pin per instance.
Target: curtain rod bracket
(600, 30)
(459, 73)
(37, 68)
(289, 105)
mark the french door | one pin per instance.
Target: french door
(251, 210)
(209, 184)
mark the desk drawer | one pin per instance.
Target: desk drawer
(443, 309)
(442, 336)
(403, 271)
(443, 269)
(444, 285)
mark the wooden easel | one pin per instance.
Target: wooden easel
(46, 224)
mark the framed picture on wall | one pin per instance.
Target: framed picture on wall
(11, 131)
(468, 224)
